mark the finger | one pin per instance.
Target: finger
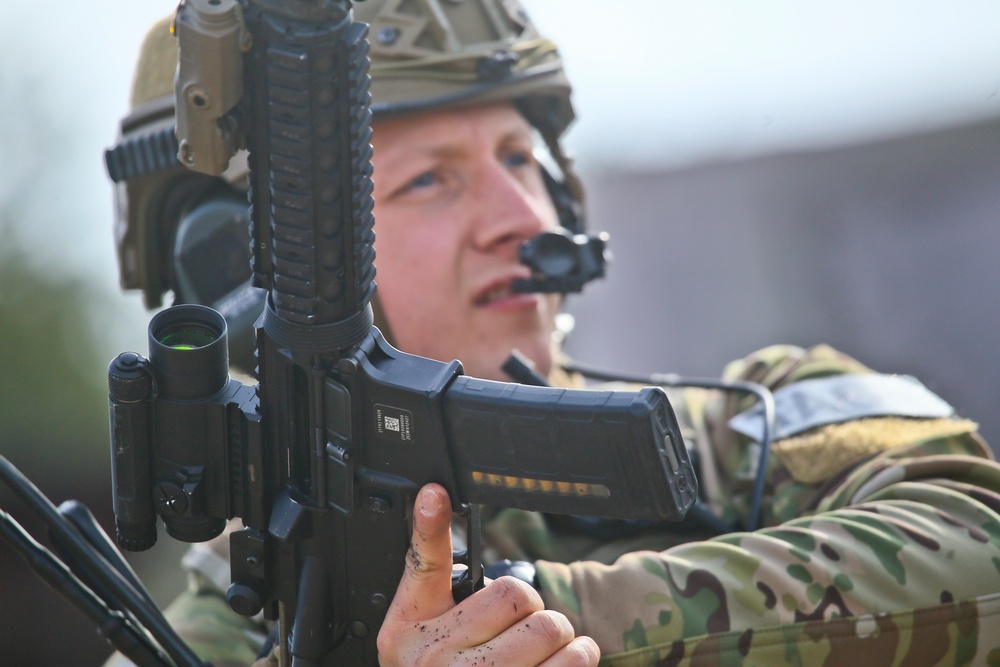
(495, 609)
(533, 640)
(581, 652)
(425, 589)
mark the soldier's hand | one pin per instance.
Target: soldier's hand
(503, 624)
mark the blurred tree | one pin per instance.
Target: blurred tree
(59, 327)
(52, 395)
(53, 427)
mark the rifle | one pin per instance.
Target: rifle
(321, 458)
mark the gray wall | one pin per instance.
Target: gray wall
(887, 251)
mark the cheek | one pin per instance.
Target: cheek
(415, 276)
(412, 256)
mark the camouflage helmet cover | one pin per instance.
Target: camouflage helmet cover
(425, 54)
(432, 53)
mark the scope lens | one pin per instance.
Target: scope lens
(556, 255)
(187, 335)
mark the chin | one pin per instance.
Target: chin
(486, 360)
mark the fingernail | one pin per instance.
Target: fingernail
(430, 502)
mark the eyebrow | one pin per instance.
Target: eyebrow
(455, 148)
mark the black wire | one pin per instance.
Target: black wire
(80, 517)
(522, 370)
(86, 557)
(112, 625)
(762, 393)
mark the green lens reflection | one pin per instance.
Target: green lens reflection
(187, 336)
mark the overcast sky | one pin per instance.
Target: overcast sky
(702, 78)
(658, 81)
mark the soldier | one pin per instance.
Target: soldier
(882, 521)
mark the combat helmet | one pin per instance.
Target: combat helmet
(425, 55)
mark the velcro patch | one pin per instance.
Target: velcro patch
(808, 404)
(813, 457)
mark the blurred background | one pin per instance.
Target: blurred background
(769, 172)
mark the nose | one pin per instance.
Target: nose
(508, 211)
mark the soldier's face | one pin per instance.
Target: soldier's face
(456, 193)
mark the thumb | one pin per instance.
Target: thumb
(425, 589)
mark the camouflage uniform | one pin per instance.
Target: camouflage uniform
(893, 557)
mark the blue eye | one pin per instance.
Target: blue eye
(514, 160)
(424, 180)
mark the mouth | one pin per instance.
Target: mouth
(492, 295)
(498, 294)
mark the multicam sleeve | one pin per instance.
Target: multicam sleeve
(203, 618)
(896, 554)
(927, 543)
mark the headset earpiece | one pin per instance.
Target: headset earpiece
(210, 265)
